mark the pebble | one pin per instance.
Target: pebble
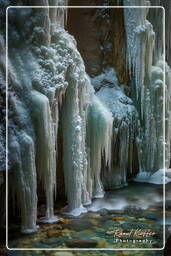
(79, 243)
(54, 233)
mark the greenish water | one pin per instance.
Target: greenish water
(130, 217)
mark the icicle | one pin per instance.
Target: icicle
(140, 35)
(73, 125)
(100, 124)
(168, 116)
(22, 146)
(148, 88)
(45, 149)
(73, 155)
(59, 14)
(25, 178)
(124, 134)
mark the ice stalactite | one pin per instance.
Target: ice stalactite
(35, 91)
(73, 156)
(22, 148)
(153, 140)
(58, 15)
(74, 117)
(32, 129)
(25, 181)
(168, 116)
(100, 131)
(63, 81)
(99, 141)
(22, 157)
(156, 16)
(140, 35)
(45, 151)
(82, 113)
(146, 92)
(125, 131)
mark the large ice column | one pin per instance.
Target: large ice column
(168, 116)
(147, 85)
(99, 142)
(153, 140)
(22, 173)
(23, 152)
(45, 149)
(125, 133)
(140, 44)
(21, 142)
(74, 111)
(86, 127)
(155, 16)
(58, 15)
(64, 82)
(35, 119)
(73, 154)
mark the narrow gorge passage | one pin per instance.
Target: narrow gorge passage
(86, 92)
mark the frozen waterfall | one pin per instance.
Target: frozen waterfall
(148, 67)
(107, 135)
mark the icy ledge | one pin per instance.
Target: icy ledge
(159, 177)
(29, 230)
(48, 220)
(76, 212)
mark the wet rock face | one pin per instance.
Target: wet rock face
(119, 45)
(100, 37)
(81, 24)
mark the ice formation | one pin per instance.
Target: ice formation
(33, 126)
(168, 116)
(103, 132)
(87, 129)
(147, 70)
(56, 81)
(126, 129)
(2, 104)
(45, 151)
(99, 140)
(159, 177)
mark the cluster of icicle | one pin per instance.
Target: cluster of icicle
(167, 116)
(125, 136)
(147, 71)
(47, 77)
(125, 132)
(34, 100)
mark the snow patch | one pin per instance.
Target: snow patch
(158, 177)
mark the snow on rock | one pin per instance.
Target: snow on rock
(124, 137)
(160, 177)
(108, 77)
